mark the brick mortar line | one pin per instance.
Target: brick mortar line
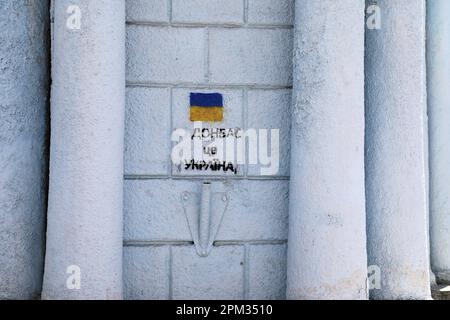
(158, 177)
(272, 242)
(170, 275)
(187, 243)
(187, 85)
(246, 284)
(211, 25)
(206, 57)
(246, 12)
(170, 166)
(245, 122)
(142, 243)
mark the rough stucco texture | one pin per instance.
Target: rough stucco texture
(86, 155)
(438, 52)
(190, 47)
(327, 236)
(24, 84)
(395, 151)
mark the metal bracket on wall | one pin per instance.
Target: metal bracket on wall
(204, 214)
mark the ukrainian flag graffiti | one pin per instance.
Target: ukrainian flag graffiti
(206, 107)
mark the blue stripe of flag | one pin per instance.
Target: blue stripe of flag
(206, 100)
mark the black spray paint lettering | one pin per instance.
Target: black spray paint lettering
(212, 151)
(211, 165)
(216, 133)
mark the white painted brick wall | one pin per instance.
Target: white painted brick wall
(153, 210)
(160, 54)
(219, 276)
(208, 11)
(271, 12)
(147, 149)
(242, 49)
(266, 268)
(250, 56)
(146, 272)
(257, 209)
(270, 109)
(148, 10)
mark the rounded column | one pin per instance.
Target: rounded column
(84, 233)
(24, 106)
(438, 54)
(327, 234)
(396, 151)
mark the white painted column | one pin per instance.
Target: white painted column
(24, 104)
(438, 53)
(396, 151)
(327, 234)
(86, 157)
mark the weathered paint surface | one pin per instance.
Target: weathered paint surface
(326, 244)
(396, 151)
(171, 52)
(175, 47)
(438, 54)
(86, 166)
(24, 91)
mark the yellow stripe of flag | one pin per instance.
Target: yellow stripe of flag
(206, 113)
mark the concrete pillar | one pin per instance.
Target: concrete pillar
(396, 151)
(327, 235)
(84, 236)
(24, 93)
(438, 53)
